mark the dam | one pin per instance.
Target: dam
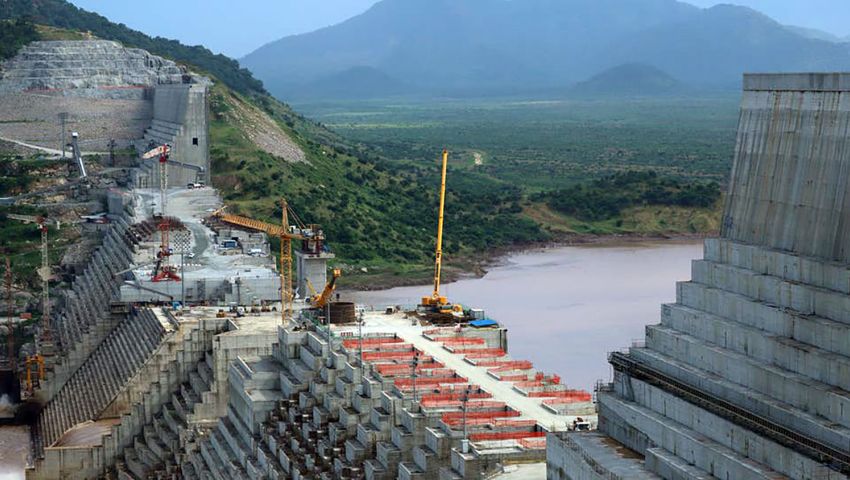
(172, 354)
(747, 375)
(175, 352)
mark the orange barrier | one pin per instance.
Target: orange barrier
(569, 395)
(400, 355)
(453, 396)
(460, 340)
(476, 404)
(499, 366)
(450, 416)
(532, 443)
(408, 382)
(496, 352)
(487, 436)
(355, 343)
(395, 368)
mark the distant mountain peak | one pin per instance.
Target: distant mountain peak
(451, 46)
(630, 79)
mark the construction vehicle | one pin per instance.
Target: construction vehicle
(33, 381)
(286, 235)
(320, 300)
(437, 307)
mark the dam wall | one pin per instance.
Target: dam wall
(180, 119)
(748, 373)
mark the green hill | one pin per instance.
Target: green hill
(378, 215)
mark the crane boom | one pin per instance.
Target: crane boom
(281, 231)
(436, 299)
(320, 301)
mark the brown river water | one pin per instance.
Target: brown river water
(566, 308)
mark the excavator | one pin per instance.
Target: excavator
(320, 300)
(437, 307)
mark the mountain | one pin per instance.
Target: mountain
(629, 79)
(374, 211)
(355, 82)
(815, 34)
(461, 45)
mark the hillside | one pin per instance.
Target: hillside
(481, 46)
(629, 79)
(64, 15)
(377, 215)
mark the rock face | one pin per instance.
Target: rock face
(80, 65)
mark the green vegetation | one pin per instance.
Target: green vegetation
(376, 213)
(543, 145)
(607, 197)
(14, 34)
(64, 15)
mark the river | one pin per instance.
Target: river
(566, 308)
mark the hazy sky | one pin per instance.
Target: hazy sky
(237, 28)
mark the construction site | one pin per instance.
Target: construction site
(184, 346)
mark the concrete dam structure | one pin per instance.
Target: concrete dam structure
(115, 98)
(748, 374)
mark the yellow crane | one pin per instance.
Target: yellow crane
(437, 301)
(320, 300)
(281, 231)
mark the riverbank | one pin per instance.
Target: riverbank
(478, 264)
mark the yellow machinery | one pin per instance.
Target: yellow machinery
(321, 300)
(281, 231)
(34, 361)
(436, 302)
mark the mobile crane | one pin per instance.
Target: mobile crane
(437, 304)
(320, 300)
(286, 236)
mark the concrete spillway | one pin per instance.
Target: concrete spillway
(748, 373)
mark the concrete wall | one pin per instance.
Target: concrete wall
(791, 177)
(312, 268)
(181, 119)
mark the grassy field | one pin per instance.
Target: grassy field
(548, 144)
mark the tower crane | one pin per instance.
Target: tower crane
(44, 272)
(286, 236)
(10, 312)
(163, 152)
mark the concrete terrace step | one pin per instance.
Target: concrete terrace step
(756, 402)
(701, 451)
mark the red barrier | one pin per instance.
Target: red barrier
(453, 396)
(450, 416)
(355, 343)
(460, 340)
(499, 366)
(408, 382)
(488, 436)
(532, 443)
(570, 395)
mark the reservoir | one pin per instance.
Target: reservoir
(566, 308)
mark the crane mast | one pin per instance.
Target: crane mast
(436, 299)
(10, 312)
(281, 231)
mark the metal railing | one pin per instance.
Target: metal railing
(806, 445)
